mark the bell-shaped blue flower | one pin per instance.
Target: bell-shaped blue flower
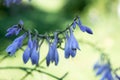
(27, 52)
(26, 55)
(17, 43)
(35, 53)
(20, 39)
(15, 29)
(104, 69)
(71, 45)
(53, 53)
(49, 55)
(11, 49)
(88, 30)
(35, 56)
(84, 28)
(67, 48)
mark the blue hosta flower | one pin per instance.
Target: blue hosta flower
(53, 53)
(26, 55)
(17, 43)
(88, 30)
(35, 56)
(35, 53)
(84, 28)
(31, 51)
(14, 30)
(71, 45)
(103, 69)
(11, 49)
(19, 40)
(27, 52)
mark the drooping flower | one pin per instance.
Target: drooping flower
(27, 52)
(104, 69)
(35, 53)
(26, 55)
(53, 53)
(17, 43)
(11, 49)
(14, 30)
(19, 40)
(84, 28)
(31, 51)
(71, 45)
(88, 30)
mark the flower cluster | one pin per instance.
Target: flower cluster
(103, 68)
(32, 50)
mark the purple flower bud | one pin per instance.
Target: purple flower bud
(11, 49)
(17, 43)
(30, 43)
(53, 53)
(67, 48)
(20, 39)
(49, 55)
(14, 30)
(27, 52)
(34, 51)
(88, 30)
(84, 28)
(26, 55)
(35, 56)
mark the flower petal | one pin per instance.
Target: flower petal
(26, 55)
(88, 30)
(11, 49)
(56, 57)
(35, 56)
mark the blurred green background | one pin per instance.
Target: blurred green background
(102, 16)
